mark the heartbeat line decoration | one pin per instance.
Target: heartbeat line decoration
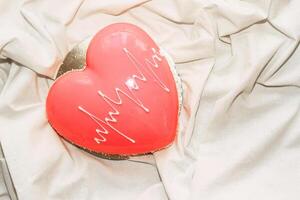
(124, 102)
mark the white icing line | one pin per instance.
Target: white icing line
(132, 85)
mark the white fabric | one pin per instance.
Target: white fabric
(240, 124)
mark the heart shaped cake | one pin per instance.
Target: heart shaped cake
(124, 102)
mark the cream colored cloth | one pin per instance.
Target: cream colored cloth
(240, 123)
